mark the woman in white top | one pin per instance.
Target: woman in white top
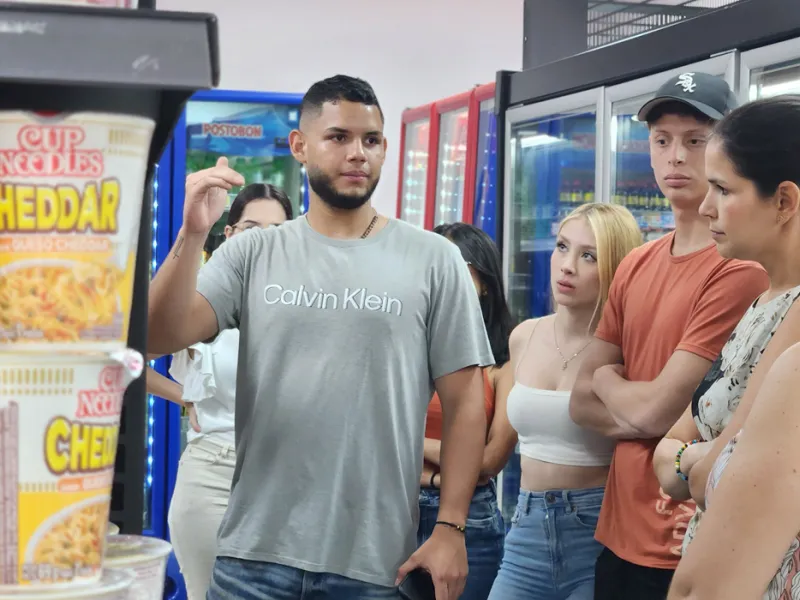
(208, 375)
(550, 552)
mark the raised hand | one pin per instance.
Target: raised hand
(207, 196)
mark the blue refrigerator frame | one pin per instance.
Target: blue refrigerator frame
(164, 423)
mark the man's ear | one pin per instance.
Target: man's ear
(297, 144)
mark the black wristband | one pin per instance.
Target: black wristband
(433, 476)
(459, 528)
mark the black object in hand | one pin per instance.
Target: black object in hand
(418, 585)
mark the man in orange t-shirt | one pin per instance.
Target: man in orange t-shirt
(672, 305)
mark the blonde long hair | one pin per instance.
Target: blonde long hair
(616, 233)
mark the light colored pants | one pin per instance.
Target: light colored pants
(202, 490)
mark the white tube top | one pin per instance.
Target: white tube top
(547, 433)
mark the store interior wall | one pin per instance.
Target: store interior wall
(412, 52)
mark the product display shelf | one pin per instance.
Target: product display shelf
(135, 62)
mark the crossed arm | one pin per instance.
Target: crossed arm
(604, 401)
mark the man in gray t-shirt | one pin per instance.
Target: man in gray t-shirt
(348, 323)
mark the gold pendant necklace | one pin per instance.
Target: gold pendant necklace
(564, 360)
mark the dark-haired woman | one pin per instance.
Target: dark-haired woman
(753, 166)
(208, 375)
(485, 529)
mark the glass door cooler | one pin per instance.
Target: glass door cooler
(251, 129)
(770, 71)
(416, 148)
(480, 204)
(451, 116)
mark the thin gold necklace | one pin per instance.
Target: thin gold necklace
(564, 360)
(368, 230)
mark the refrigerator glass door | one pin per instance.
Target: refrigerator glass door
(452, 166)
(485, 212)
(770, 71)
(632, 182)
(255, 139)
(415, 172)
(552, 169)
(626, 166)
(552, 159)
(775, 81)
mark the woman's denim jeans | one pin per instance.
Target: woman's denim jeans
(550, 552)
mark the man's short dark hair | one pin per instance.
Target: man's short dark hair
(335, 89)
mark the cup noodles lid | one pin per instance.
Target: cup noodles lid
(110, 587)
(126, 550)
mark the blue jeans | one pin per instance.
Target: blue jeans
(236, 579)
(551, 550)
(485, 536)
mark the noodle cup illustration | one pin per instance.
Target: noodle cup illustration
(114, 585)
(59, 427)
(146, 557)
(71, 188)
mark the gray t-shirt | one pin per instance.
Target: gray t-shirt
(340, 343)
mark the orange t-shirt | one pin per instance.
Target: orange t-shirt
(433, 425)
(659, 303)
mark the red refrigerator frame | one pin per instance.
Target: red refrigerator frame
(411, 115)
(434, 111)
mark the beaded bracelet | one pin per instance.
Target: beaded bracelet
(459, 528)
(678, 459)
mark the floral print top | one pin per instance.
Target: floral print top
(718, 395)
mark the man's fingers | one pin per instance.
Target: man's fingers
(440, 587)
(227, 174)
(406, 568)
(209, 182)
(221, 171)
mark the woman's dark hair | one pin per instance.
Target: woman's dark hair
(258, 191)
(762, 141)
(480, 251)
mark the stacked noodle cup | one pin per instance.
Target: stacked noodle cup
(71, 190)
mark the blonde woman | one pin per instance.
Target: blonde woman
(550, 552)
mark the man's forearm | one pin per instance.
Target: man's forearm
(628, 403)
(463, 440)
(589, 411)
(171, 293)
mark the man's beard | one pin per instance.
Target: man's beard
(323, 187)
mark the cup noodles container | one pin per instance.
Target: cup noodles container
(59, 426)
(114, 585)
(101, 3)
(71, 188)
(146, 557)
